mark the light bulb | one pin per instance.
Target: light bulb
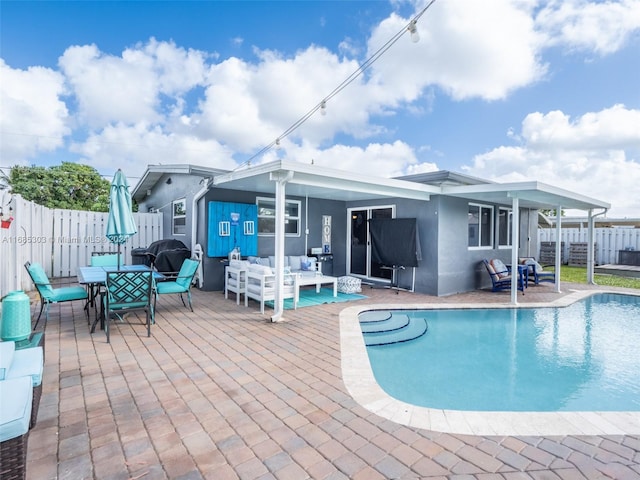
(413, 30)
(277, 144)
(323, 108)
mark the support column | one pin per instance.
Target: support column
(558, 246)
(280, 179)
(515, 242)
(590, 249)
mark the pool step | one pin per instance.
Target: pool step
(389, 324)
(415, 327)
(372, 316)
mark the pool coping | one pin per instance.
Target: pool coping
(361, 384)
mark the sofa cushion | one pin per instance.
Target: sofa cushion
(7, 350)
(27, 362)
(262, 270)
(294, 262)
(16, 396)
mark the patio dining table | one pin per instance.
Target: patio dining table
(96, 277)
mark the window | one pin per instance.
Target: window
(504, 227)
(179, 219)
(480, 226)
(267, 217)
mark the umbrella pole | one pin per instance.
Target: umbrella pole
(119, 247)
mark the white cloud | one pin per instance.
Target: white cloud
(590, 155)
(33, 119)
(383, 160)
(158, 102)
(132, 148)
(127, 89)
(467, 48)
(601, 27)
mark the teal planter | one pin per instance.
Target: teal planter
(15, 321)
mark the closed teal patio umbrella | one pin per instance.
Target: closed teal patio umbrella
(120, 222)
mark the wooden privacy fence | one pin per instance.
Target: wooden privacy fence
(609, 241)
(61, 241)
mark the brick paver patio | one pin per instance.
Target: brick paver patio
(223, 394)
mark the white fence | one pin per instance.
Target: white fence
(608, 241)
(60, 240)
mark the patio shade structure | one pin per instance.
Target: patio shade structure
(120, 223)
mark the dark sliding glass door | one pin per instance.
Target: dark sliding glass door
(360, 251)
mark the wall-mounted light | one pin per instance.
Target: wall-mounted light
(168, 182)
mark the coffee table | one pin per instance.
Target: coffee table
(318, 281)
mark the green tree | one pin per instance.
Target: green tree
(551, 212)
(70, 185)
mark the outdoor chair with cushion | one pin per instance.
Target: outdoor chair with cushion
(182, 283)
(102, 259)
(128, 291)
(49, 295)
(537, 272)
(105, 259)
(500, 276)
(235, 278)
(261, 285)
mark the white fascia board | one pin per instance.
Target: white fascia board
(313, 175)
(534, 191)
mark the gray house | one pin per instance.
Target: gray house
(287, 208)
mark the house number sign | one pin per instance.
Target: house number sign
(326, 234)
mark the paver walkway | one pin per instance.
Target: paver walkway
(223, 394)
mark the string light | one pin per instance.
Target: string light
(413, 30)
(322, 106)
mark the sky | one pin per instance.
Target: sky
(503, 90)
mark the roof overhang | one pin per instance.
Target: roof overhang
(154, 173)
(319, 182)
(314, 181)
(534, 195)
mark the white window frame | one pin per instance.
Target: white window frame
(297, 218)
(480, 232)
(175, 216)
(509, 213)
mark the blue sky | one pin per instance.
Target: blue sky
(507, 90)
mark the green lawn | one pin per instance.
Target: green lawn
(579, 275)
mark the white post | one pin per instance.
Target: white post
(558, 246)
(281, 180)
(515, 241)
(590, 249)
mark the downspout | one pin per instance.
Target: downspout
(591, 246)
(281, 179)
(194, 225)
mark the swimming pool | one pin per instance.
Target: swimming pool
(359, 380)
(580, 358)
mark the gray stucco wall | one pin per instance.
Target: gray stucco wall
(162, 196)
(447, 266)
(460, 268)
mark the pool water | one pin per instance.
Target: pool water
(585, 357)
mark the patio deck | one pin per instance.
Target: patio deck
(223, 394)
